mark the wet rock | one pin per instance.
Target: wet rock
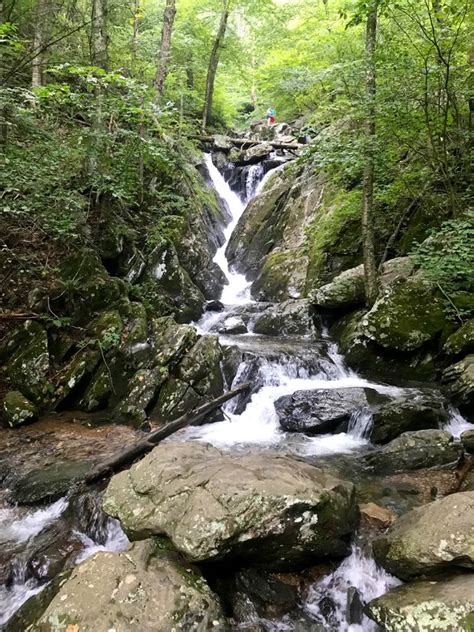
(462, 341)
(406, 316)
(17, 409)
(418, 410)
(282, 276)
(119, 591)
(98, 391)
(175, 399)
(74, 375)
(291, 318)
(430, 538)
(48, 483)
(459, 379)
(319, 411)
(210, 281)
(231, 359)
(233, 325)
(376, 515)
(467, 440)
(416, 450)
(263, 508)
(33, 608)
(171, 341)
(214, 306)
(28, 366)
(426, 606)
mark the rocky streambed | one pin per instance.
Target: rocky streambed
(319, 500)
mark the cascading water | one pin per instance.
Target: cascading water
(257, 426)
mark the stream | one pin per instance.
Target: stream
(30, 537)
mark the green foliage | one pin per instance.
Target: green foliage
(447, 257)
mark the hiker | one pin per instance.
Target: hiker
(271, 116)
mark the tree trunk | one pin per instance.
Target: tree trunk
(370, 268)
(165, 48)
(135, 33)
(99, 39)
(41, 18)
(213, 63)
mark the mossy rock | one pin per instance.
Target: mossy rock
(175, 399)
(462, 341)
(407, 315)
(108, 321)
(28, 366)
(71, 378)
(283, 276)
(17, 409)
(171, 341)
(48, 483)
(200, 367)
(98, 391)
(140, 393)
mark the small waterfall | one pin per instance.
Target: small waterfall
(360, 424)
(237, 291)
(337, 600)
(456, 424)
(254, 176)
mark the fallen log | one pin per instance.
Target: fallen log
(139, 449)
(247, 142)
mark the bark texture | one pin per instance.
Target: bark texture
(165, 48)
(99, 39)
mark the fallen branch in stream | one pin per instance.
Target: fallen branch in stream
(139, 449)
(247, 142)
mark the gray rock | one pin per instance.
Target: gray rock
(222, 143)
(427, 606)
(462, 341)
(430, 538)
(416, 450)
(319, 411)
(264, 508)
(200, 367)
(291, 318)
(17, 409)
(255, 153)
(233, 325)
(143, 588)
(467, 440)
(416, 410)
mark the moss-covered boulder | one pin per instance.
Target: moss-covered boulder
(141, 390)
(427, 606)
(263, 509)
(17, 409)
(48, 483)
(430, 538)
(28, 366)
(175, 398)
(75, 375)
(414, 451)
(200, 367)
(171, 341)
(143, 588)
(461, 342)
(282, 276)
(459, 380)
(407, 315)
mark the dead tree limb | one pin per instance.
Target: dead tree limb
(248, 142)
(139, 449)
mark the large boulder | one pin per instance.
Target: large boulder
(430, 538)
(416, 450)
(348, 288)
(416, 410)
(264, 508)
(407, 315)
(319, 411)
(282, 276)
(143, 588)
(427, 606)
(461, 342)
(291, 318)
(459, 379)
(48, 483)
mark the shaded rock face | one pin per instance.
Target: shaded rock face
(459, 379)
(48, 483)
(291, 318)
(319, 411)
(426, 606)
(418, 410)
(462, 341)
(416, 450)
(140, 589)
(266, 508)
(430, 538)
